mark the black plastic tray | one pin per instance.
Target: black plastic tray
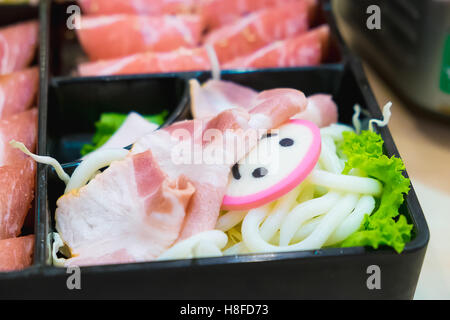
(314, 274)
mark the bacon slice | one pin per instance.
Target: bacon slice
(308, 49)
(149, 7)
(131, 212)
(18, 91)
(108, 37)
(16, 253)
(17, 46)
(217, 13)
(21, 127)
(258, 29)
(149, 62)
(15, 196)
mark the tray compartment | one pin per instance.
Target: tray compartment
(69, 53)
(324, 273)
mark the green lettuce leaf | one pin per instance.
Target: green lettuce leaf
(109, 123)
(385, 226)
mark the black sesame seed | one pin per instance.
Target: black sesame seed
(260, 172)
(235, 171)
(286, 142)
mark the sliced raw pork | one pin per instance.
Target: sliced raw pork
(18, 91)
(17, 46)
(307, 49)
(16, 254)
(131, 212)
(21, 127)
(215, 96)
(16, 196)
(150, 7)
(134, 127)
(108, 37)
(17, 172)
(220, 12)
(150, 62)
(258, 29)
(321, 110)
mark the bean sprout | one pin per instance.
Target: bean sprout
(42, 159)
(386, 117)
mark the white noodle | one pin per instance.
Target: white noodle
(238, 248)
(255, 243)
(306, 229)
(331, 221)
(42, 159)
(186, 248)
(346, 183)
(91, 164)
(351, 224)
(304, 212)
(335, 131)
(229, 220)
(205, 248)
(328, 158)
(281, 208)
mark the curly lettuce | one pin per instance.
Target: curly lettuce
(385, 226)
(109, 123)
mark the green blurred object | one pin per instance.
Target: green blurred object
(17, 1)
(109, 123)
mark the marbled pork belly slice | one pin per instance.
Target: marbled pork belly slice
(131, 212)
